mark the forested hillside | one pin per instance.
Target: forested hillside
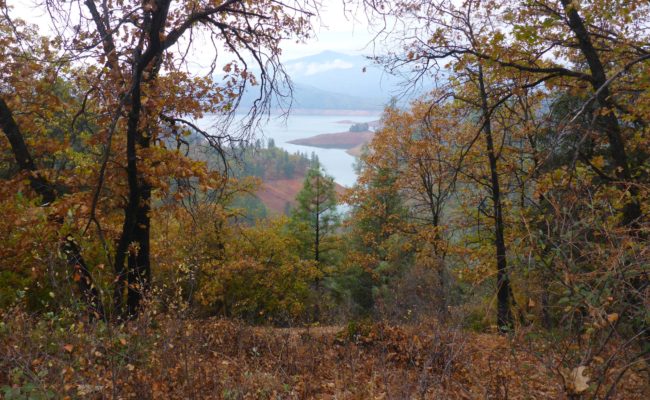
(279, 177)
(494, 246)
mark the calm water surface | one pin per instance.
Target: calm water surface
(336, 162)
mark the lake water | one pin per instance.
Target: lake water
(336, 162)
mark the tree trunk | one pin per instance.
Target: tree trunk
(139, 277)
(609, 124)
(133, 247)
(25, 162)
(317, 221)
(606, 122)
(45, 189)
(81, 275)
(504, 314)
(132, 261)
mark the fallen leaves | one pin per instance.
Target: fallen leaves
(216, 359)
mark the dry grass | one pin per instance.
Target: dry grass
(161, 357)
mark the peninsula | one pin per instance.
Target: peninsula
(352, 141)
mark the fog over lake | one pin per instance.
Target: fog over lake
(336, 162)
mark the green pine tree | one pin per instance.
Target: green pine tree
(315, 217)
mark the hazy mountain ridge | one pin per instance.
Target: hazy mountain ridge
(336, 81)
(349, 75)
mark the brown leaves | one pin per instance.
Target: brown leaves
(221, 356)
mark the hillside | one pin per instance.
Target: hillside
(281, 173)
(307, 97)
(278, 195)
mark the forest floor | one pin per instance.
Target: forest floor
(166, 358)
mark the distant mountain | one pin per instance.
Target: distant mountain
(310, 97)
(336, 81)
(354, 76)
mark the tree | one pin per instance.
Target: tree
(136, 108)
(422, 147)
(359, 127)
(34, 103)
(605, 51)
(557, 92)
(378, 215)
(315, 215)
(453, 33)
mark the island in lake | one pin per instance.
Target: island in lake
(351, 141)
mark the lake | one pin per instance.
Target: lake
(336, 162)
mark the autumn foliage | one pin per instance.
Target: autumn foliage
(495, 244)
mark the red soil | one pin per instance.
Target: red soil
(275, 194)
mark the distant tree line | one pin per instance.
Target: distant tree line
(360, 127)
(270, 162)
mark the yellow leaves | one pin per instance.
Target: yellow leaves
(598, 161)
(498, 37)
(611, 318)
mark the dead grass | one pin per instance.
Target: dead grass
(165, 358)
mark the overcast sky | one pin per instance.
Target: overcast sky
(337, 30)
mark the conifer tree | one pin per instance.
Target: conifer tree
(315, 216)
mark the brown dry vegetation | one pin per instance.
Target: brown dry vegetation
(170, 358)
(276, 193)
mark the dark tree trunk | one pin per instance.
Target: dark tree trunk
(139, 277)
(45, 189)
(504, 313)
(132, 261)
(317, 221)
(546, 313)
(25, 162)
(133, 247)
(606, 122)
(81, 275)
